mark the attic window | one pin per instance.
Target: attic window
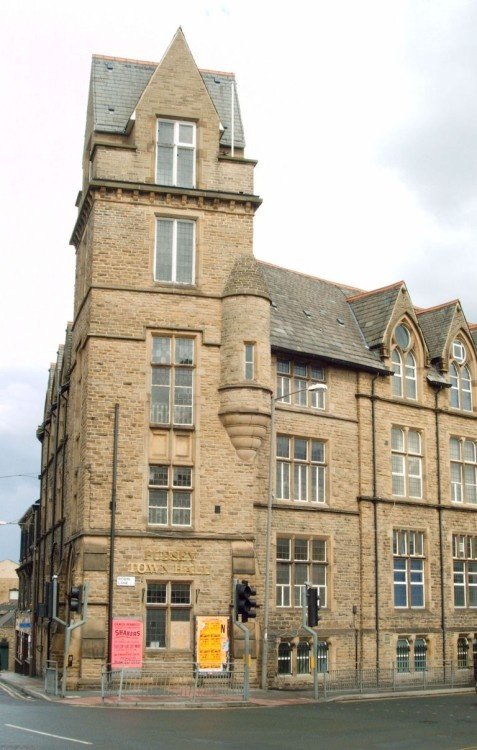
(340, 322)
(217, 80)
(109, 65)
(110, 108)
(274, 305)
(307, 313)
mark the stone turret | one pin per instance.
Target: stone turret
(245, 384)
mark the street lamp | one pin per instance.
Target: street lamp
(268, 538)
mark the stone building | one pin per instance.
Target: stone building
(212, 418)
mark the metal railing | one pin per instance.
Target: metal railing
(172, 682)
(394, 680)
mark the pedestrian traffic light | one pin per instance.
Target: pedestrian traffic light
(244, 605)
(312, 606)
(76, 599)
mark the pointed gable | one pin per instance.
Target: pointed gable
(374, 311)
(435, 324)
(117, 85)
(176, 86)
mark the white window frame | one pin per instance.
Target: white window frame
(301, 478)
(408, 567)
(175, 147)
(249, 360)
(169, 608)
(294, 379)
(171, 489)
(404, 367)
(460, 377)
(170, 370)
(173, 252)
(463, 470)
(406, 464)
(289, 592)
(465, 571)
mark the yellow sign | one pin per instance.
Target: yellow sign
(212, 642)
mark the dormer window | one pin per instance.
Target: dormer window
(460, 378)
(176, 153)
(403, 361)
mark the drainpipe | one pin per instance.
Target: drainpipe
(53, 509)
(441, 530)
(113, 530)
(65, 395)
(375, 513)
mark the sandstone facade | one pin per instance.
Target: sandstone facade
(187, 363)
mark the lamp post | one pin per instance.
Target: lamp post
(268, 536)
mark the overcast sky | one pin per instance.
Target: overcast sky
(362, 116)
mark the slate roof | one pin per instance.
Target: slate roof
(118, 84)
(8, 618)
(434, 324)
(373, 310)
(312, 316)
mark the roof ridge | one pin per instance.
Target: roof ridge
(437, 307)
(375, 291)
(217, 72)
(307, 275)
(124, 59)
(97, 56)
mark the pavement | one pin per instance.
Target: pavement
(34, 687)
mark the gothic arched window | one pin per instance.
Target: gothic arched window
(403, 363)
(460, 378)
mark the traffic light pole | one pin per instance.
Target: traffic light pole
(314, 658)
(246, 647)
(69, 627)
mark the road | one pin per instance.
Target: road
(421, 723)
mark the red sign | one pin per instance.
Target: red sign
(126, 644)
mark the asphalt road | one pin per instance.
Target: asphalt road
(421, 723)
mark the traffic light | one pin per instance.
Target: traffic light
(244, 605)
(312, 606)
(76, 599)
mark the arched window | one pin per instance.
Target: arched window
(462, 652)
(460, 378)
(402, 655)
(403, 364)
(322, 653)
(284, 658)
(420, 655)
(303, 658)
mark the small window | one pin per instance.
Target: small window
(462, 652)
(249, 361)
(420, 655)
(402, 655)
(284, 658)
